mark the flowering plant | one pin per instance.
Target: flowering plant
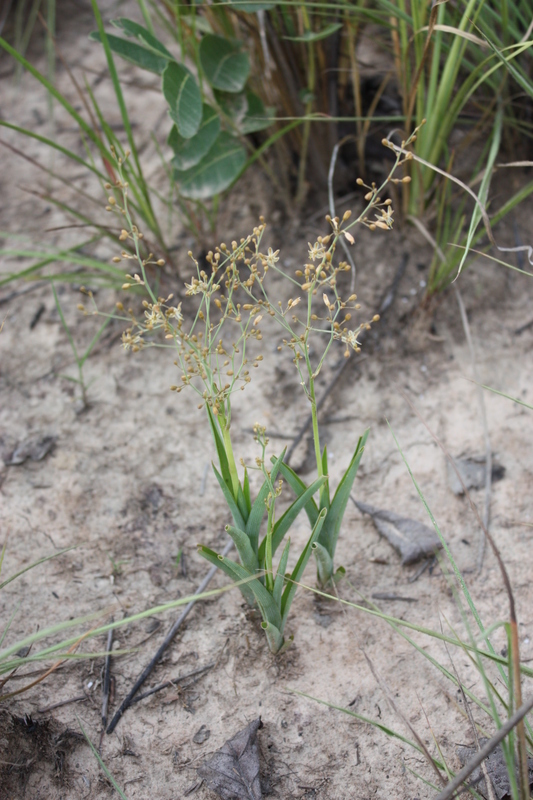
(215, 351)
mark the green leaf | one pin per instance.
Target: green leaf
(221, 451)
(131, 28)
(274, 637)
(244, 549)
(311, 36)
(189, 152)
(285, 521)
(225, 65)
(228, 566)
(280, 574)
(233, 104)
(215, 172)
(249, 7)
(133, 52)
(290, 589)
(257, 513)
(257, 117)
(241, 504)
(183, 96)
(245, 110)
(246, 493)
(269, 611)
(324, 563)
(233, 507)
(335, 516)
(324, 494)
(299, 487)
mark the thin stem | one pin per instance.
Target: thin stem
(314, 415)
(269, 577)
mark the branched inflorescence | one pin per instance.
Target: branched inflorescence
(231, 298)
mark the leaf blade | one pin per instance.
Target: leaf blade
(215, 172)
(183, 97)
(225, 65)
(133, 53)
(189, 152)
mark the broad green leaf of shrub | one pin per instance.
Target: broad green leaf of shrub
(134, 53)
(257, 117)
(249, 8)
(183, 96)
(189, 152)
(233, 104)
(246, 110)
(131, 28)
(225, 65)
(215, 172)
(312, 36)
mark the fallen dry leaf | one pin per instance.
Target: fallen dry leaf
(233, 771)
(496, 768)
(412, 539)
(472, 471)
(34, 448)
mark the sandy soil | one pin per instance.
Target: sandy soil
(129, 483)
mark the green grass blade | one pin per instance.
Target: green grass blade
(96, 754)
(451, 559)
(490, 654)
(53, 630)
(50, 88)
(384, 728)
(34, 564)
(94, 341)
(124, 112)
(502, 394)
(485, 184)
(68, 256)
(519, 76)
(55, 146)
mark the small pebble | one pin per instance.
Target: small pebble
(201, 735)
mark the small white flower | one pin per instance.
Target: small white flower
(316, 250)
(272, 257)
(349, 338)
(195, 287)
